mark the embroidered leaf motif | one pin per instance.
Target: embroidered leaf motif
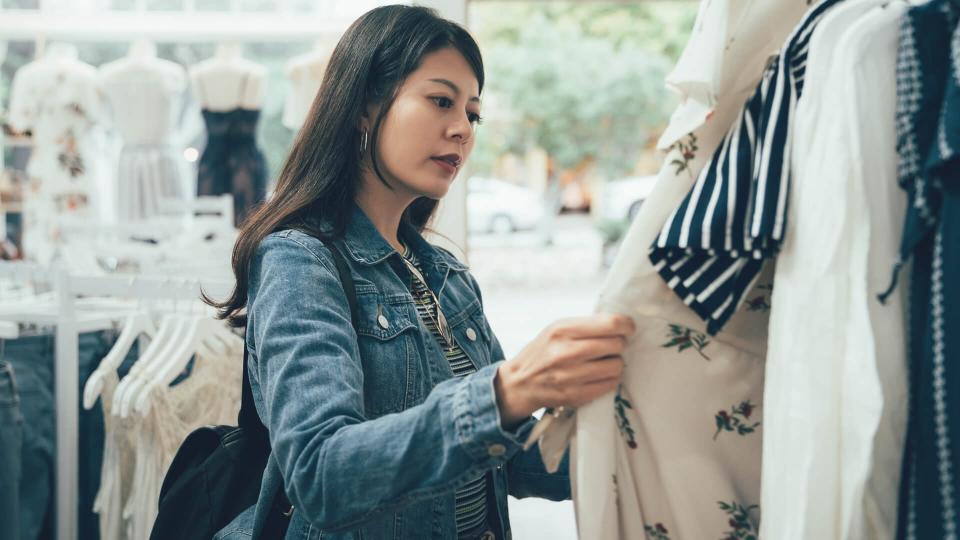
(737, 420)
(621, 404)
(684, 338)
(741, 528)
(688, 151)
(656, 531)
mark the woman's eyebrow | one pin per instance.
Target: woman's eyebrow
(454, 87)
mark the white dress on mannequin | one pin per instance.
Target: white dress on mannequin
(58, 99)
(145, 95)
(305, 74)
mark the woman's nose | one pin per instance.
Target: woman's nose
(461, 130)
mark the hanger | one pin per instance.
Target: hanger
(136, 325)
(134, 380)
(205, 338)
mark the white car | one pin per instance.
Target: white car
(501, 207)
(622, 199)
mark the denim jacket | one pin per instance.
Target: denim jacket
(371, 434)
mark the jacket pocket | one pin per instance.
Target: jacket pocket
(472, 333)
(385, 337)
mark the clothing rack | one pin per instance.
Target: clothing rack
(66, 367)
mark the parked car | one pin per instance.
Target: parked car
(501, 207)
(622, 199)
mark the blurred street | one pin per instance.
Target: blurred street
(527, 285)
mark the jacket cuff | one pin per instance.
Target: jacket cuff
(477, 420)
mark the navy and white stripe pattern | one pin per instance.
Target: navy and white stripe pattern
(471, 499)
(921, 75)
(928, 141)
(713, 246)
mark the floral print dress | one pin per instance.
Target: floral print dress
(59, 102)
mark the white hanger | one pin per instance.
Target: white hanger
(153, 360)
(205, 337)
(134, 379)
(136, 325)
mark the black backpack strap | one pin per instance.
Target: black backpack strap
(249, 420)
(346, 278)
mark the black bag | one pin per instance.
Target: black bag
(217, 471)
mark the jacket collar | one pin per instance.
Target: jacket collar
(366, 245)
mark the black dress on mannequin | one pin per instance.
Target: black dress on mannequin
(232, 162)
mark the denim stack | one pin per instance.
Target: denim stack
(27, 435)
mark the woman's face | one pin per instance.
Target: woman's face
(427, 135)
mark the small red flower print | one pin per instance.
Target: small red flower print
(684, 338)
(688, 151)
(737, 420)
(742, 528)
(656, 532)
(758, 303)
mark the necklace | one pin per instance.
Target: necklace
(436, 315)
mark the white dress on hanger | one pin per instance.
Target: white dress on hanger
(210, 395)
(117, 467)
(59, 100)
(675, 453)
(146, 96)
(139, 450)
(836, 395)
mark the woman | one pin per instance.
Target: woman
(406, 424)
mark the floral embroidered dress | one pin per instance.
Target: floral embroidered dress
(58, 100)
(676, 452)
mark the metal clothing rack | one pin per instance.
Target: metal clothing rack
(70, 322)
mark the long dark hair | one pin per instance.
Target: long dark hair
(319, 180)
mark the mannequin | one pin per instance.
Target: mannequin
(228, 81)
(145, 95)
(229, 89)
(305, 73)
(59, 100)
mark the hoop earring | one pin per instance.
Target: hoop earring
(363, 142)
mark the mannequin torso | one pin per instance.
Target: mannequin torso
(227, 81)
(145, 94)
(58, 99)
(305, 74)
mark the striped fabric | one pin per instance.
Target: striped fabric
(713, 246)
(928, 142)
(471, 499)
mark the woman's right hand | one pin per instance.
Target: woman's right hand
(571, 362)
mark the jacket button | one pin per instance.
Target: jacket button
(496, 450)
(384, 323)
(471, 334)
(488, 536)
